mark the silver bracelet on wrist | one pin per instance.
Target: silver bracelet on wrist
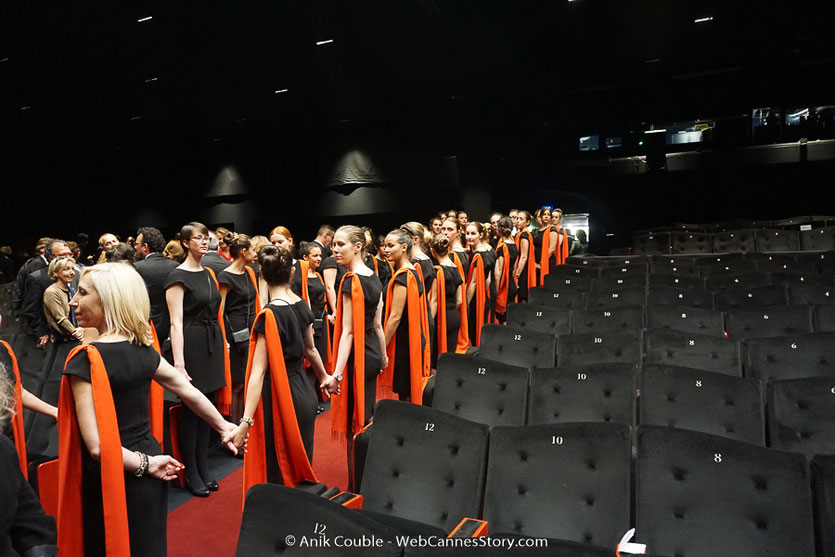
(248, 421)
(143, 465)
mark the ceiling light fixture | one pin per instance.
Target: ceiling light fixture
(652, 61)
(144, 19)
(25, 107)
(136, 117)
(703, 19)
(4, 59)
(320, 43)
(277, 91)
(151, 79)
(662, 130)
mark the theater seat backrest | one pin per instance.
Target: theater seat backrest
(678, 260)
(691, 242)
(671, 296)
(757, 297)
(583, 393)
(559, 282)
(519, 347)
(616, 298)
(566, 299)
(424, 465)
(733, 241)
(686, 319)
(565, 481)
(579, 271)
(608, 319)
(768, 240)
(728, 268)
(625, 270)
(273, 514)
(717, 258)
(790, 278)
(801, 415)
(544, 319)
(812, 294)
(703, 401)
(790, 357)
(710, 353)
(651, 244)
(784, 266)
(606, 261)
(676, 269)
(699, 494)
(768, 322)
(624, 346)
(823, 482)
(616, 282)
(825, 319)
(693, 282)
(818, 239)
(481, 390)
(744, 280)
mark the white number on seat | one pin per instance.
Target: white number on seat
(556, 440)
(581, 376)
(598, 340)
(607, 314)
(684, 316)
(692, 343)
(429, 426)
(539, 314)
(717, 457)
(482, 371)
(517, 337)
(698, 383)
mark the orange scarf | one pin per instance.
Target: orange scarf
(17, 421)
(293, 461)
(477, 268)
(304, 267)
(155, 399)
(424, 321)
(543, 256)
(254, 280)
(325, 326)
(463, 329)
(70, 505)
(340, 425)
(530, 270)
(504, 280)
(418, 357)
(561, 251)
(224, 397)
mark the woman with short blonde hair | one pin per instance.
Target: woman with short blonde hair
(56, 301)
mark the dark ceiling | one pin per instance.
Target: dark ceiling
(87, 80)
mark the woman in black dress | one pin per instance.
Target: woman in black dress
(240, 303)
(115, 442)
(480, 287)
(316, 298)
(421, 260)
(505, 278)
(447, 308)
(197, 347)
(405, 320)
(458, 254)
(359, 343)
(544, 243)
(525, 271)
(268, 387)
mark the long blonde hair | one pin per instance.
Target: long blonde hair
(124, 299)
(7, 401)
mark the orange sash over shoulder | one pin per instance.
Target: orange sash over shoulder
(418, 364)
(544, 260)
(441, 320)
(70, 506)
(254, 280)
(530, 263)
(424, 321)
(342, 425)
(293, 461)
(17, 420)
(561, 251)
(504, 280)
(224, 397)
(155, 399)
(304, 267)
(477, 269)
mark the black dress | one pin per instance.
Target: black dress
(371, 292)
(239, 314)
(463, 258)
(292, 321)
(452, 283)
(316, 291)
(510, 265)
(341, 270)
(522, 294)
(401, 381)
(202, 338)
(488, 258)
(427, 268)
(130, 368)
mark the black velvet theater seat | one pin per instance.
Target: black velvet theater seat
(571, 271)
(608, 319)
(801, 415)
(675, 269)
(823, 482)
(519, 347)
(733, 241)
(686, 319)
(561, 282)
(812, 294)
(818, 239)
(674, 296)
(777, 240)
(583, 393)
(544, 319)
(616, 282)
(567, 481)
(743, 280)
(710, 353)
(481, 390)
(424, 465)
(651, 244)
(703, 401)
(728, 268)
(616, 298)
(680, 260)
(791, 357)
(631, 269)
(565, 299)
(757, 297)
(700, 495)
(677, 280)
(273, 513)
(825, 319)
(768, 322)
(623, 346)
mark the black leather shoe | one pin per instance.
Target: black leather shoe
(212, 485)
(202, 491)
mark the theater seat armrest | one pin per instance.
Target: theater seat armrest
(472, 351)
(469, 528)
(348, 500)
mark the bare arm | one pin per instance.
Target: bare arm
(329, 276)
(552, 242)
(459, 297)
(498, 268)
(224, 290)
(174, 298)
(253, 388)
(162, 467)
(524, 246)
(346, 339)
(33, 403)
(397, 304)
(326, 382)
(378, 330)
(433, 298)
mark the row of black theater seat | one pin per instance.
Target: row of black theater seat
(742, 240)
(791, 223)
(687, 493)
(800, 415)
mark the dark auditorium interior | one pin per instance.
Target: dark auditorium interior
(691, 352)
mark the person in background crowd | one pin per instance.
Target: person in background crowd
(435, 225)
(545, 243)
(505, 277)
(212, 260)
(6, 265)
(36, 285)
(514, 216)
(479, 283)
(106, 241)
(34, 263)
(495, 237)
(121, 253)
(222, 247)
(426, 273)
(56, 302)
(446, 300)
(581, 245)
(259, 242)
(154, 268)
(173, 251)
(459, 256)
(24, 527)
(197, 347)
(525, 273)
(562, 248)
(463, 220)
(324, 237)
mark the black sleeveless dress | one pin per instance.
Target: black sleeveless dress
(452, 283)
(371, 292)
(401, 382)
(239, 314)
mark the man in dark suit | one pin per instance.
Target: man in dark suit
(36, 284)
(213, 260)
(39, 261)
(324, 237)
(153, 267)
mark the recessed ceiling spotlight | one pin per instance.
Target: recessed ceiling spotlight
(703, 19)
(136, 117)
(652, 61)
(277, 91)
(27, 107)
(217, 139)
(320, 43)
(144, 19)
(151, 79)
(6, 59)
